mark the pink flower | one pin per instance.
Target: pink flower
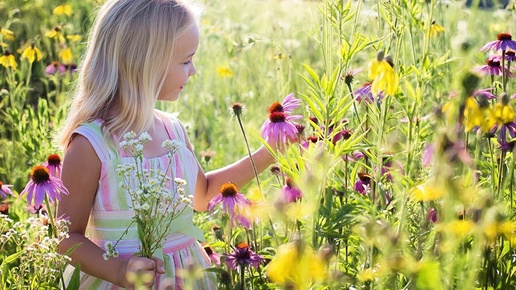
(504, 41)
(42, 185)
(290, 103)
(53, 164)
(214, 257)
(492, 67)
(290, 193)
(243, 256)
(54, 67)
(232, 203)
(279, 127)
(4, 190)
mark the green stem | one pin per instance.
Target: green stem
(249, 153)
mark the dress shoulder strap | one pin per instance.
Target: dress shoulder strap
(93, 132)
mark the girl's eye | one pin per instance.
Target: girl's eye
(187, 63)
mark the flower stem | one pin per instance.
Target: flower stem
(51, 217)
(249, 152)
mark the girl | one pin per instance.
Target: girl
(139, 52)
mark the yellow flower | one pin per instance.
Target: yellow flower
(368, 274)
(56, 34)
(7, 59)
(63, 9)
(426, 192)
(74, 37)
(32, 53)
(384, 78)
(8, 34)
(503, 113)
(475, 116)
(66, 55)
(295, 267)
(224, 72)
(434, 29)
(461, 228)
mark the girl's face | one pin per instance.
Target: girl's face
(182, 66)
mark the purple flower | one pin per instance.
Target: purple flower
(290, 193)
(363, 184)
(43, 184)
(214, 257)
(4, 190)
(243, 256)
(364, 93)
(432, 215)
(289, 104)
(54, 67)
(504, 41)
(510, 55)
(507, 144)
(53, 164)
(279, 127)
(232, 203)
(486, 93)
(492, 66)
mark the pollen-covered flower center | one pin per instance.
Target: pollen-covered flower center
(275, 107)
(228, 189)
(40, 174)
(493, 63)
(54, 160)
(504, 36)
(1, 184)
(289, 182)
(277, 117)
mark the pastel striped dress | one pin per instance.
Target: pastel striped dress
(111, 213)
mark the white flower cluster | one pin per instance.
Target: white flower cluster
(38, 260)
(156, 197)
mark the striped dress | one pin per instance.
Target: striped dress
(111, 213)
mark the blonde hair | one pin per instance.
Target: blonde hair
(129, 52)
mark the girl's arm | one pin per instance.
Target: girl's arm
(80, 175)
(240, 173)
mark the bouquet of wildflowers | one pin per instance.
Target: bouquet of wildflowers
(155, 205)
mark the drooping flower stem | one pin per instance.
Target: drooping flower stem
(249, 151)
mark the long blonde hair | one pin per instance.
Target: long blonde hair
(129, 52)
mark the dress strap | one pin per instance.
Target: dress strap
(93, 132)
(172, 128)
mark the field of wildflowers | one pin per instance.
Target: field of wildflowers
(401, 175)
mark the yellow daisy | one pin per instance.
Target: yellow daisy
(32, 53)
(384, 78)
(63, 9)
(8, 34)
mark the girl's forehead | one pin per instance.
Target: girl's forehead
(187, 43)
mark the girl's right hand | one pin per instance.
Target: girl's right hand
(140, 271)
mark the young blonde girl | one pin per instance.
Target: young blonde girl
(139, 52)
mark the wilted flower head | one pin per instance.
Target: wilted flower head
(504, 41)
(43, 184)
(237, 109)
(4, 190)
(243, 256)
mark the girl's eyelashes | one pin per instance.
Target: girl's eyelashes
(187, 63)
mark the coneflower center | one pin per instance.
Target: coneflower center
(495, 63)
(54, 160)
(277, 117)
(40, 174)
(504, 36)
(275, 107)
(228, 189)
(289, 182)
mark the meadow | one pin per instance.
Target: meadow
(403, 172)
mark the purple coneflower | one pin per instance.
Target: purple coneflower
(363, 184)
(43, 184)
(486, 93)
(53, 164)
(432, 215)
(214, 257)
(290, 193)
(504, 41)
(492, 66)
(510, 55)
(4, 190)
(243, 256)
(232, 202)
(364, 93)
(289, 104)
(54, 67)
(279, 127)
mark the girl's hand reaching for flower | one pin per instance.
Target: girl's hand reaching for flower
(141, 271)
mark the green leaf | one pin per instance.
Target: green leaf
(75, 279)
